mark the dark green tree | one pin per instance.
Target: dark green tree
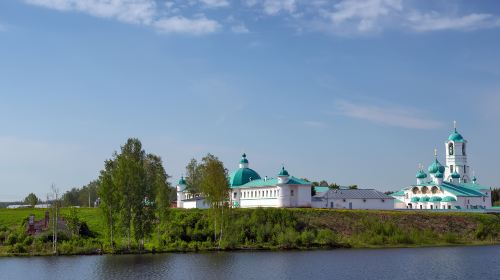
(31, 200)
(193, 176)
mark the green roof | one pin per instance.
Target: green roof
(271, 182)
(415, 199)
(424, 198)
(242, 176)
(435, 199)
(456, 137)
(244, 159)
(474, 186)
(283, 172)
(455, 175)
(435, 167)
(448, 199)
(181, 181)
(321, 189)
(439, 174)
(398, 193)
(421, 175)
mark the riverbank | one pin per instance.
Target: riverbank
(260, 229)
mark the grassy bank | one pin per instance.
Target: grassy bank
(270, 229)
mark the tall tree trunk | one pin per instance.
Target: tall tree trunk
(221, 224)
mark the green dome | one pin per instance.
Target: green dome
(456, 137)
(439, 174)
(243, 176)
(424, 198)
(283, 172)
(455, 175)
(244, 159)
(448, 199)
(436, 167)
(421, 175)
(181, 181)
(435, 199)
(415, 199)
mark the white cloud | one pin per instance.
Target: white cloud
(215, 3)
(240, 29)
(130, 11)
(273, 7)
(142, 12)
(434, 21)
(363, 14)
(387, 115)
(178, 24)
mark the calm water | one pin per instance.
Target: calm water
(423, 263)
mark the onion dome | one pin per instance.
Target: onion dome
(436, 167)
(439, 174)
(244, 159)
(415, 199)
(421, 175)
(283, 172)
(243, 174)
(456, 137)
(455, 175)
(181, 181)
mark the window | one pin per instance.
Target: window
(484, 199)
(450, 149)
(449, 206)
(451, 168)
(465, 169)
(463, 149)
(331, 204)
(431, 206)
(383, 200)
(291, 192)
(364, 200)
(235, 195)
(343, 200)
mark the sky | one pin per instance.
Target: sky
(350, 91)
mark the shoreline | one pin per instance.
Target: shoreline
(249, 250)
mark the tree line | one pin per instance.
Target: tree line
(135, 193)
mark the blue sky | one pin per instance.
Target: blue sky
(354, 92)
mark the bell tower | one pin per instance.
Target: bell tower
(456, 157)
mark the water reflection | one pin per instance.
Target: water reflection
(422, 263)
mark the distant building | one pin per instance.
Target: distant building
(446, 186)
(345, 198)
(249, 190)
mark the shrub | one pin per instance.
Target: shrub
(326, 237)
(11, 239)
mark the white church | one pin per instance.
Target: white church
(249, 190)
(448, 186)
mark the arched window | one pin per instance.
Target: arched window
(414, 190)
(450, 149)
(425, 190)
(434, 190)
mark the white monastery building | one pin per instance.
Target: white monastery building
(249, 190)
(448, 186)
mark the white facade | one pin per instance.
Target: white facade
(367, 199)
(249, 190)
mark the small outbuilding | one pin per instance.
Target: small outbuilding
(353, 199)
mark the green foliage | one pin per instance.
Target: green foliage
(31, 200)
(81, 196)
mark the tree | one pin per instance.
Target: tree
(193, 176)
(353, 187)
(323, 183)
(215, 187)
(31, 199)
(313, 190)
(110, 197)
(334, 186)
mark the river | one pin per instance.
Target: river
(481, 262)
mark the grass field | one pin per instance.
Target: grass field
(192, 230)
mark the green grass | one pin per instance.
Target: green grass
(192, 230)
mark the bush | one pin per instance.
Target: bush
(11, 239)
(326, 237)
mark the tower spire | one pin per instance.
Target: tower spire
(455, 125)
(435, 153)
